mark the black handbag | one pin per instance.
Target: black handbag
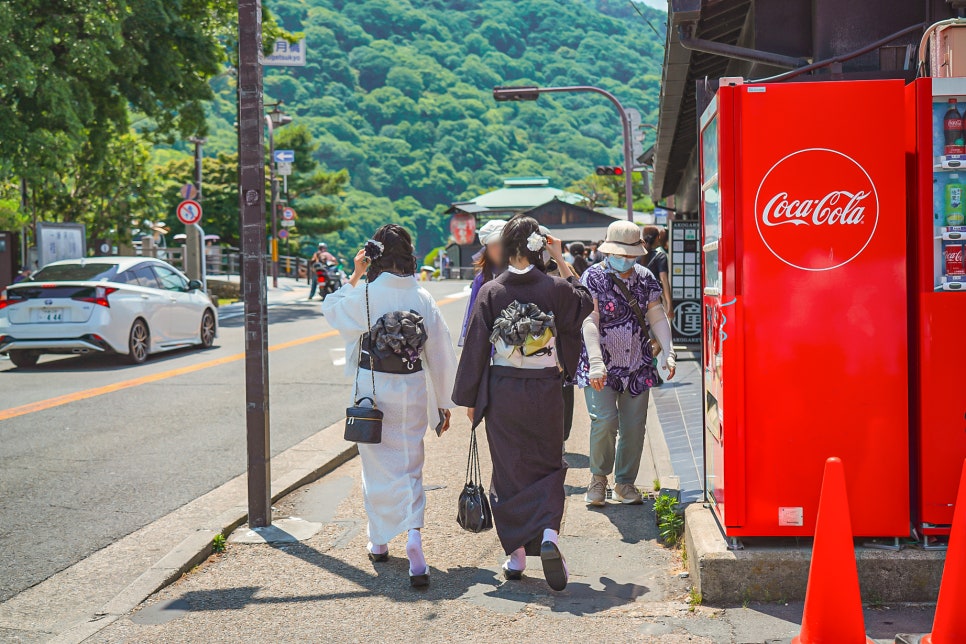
(473, 512)
(364, 424)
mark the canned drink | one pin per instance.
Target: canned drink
(954, 256)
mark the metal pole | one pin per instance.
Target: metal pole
(271, 167)
(625, 127)
(252, 204)
(23, 229)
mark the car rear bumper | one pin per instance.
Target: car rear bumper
(84, 344)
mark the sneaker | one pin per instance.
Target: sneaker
(627, 493)
(597, 490)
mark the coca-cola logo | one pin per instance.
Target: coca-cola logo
(816, 209)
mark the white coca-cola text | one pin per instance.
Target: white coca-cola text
(839, 207)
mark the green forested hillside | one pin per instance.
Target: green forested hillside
(398, 93)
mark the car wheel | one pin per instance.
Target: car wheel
(23, 358)
(138, 342)
(207, 329)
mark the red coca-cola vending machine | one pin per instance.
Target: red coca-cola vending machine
(937, 224)
(805, 304)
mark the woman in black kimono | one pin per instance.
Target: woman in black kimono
(523, 337)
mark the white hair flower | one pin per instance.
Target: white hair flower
(374, 249)
(536, 242)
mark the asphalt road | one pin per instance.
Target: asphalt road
(83, 467)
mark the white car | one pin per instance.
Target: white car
(131, 306)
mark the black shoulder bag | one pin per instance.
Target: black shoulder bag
(654, 345)
(473, 512)
(364, 424)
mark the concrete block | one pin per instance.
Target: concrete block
(777, 569)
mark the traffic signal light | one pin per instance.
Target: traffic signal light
(610, 171)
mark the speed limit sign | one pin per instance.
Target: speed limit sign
(189, 212)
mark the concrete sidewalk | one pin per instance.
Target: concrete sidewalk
(625, 586)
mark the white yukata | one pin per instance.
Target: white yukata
(392, 471)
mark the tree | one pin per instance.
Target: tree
(74, 72)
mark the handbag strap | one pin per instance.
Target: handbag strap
(372, 370)
(473, 473)
(632, 301)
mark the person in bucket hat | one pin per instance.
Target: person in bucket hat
(616, 368)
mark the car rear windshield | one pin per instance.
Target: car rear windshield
(75, 273)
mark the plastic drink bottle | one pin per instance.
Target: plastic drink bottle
(955, 209)
(953, 130)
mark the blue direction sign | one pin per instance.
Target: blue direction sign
(284, 156)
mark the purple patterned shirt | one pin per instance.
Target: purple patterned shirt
(623, 343)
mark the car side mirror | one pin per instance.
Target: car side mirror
(195, 285)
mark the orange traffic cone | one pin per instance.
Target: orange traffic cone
(949, 624)
(833, 604)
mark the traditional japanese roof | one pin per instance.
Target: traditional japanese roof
(523, 193)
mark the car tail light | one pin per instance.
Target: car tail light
(5, 301)
(100, 296)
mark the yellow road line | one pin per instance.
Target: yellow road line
(57, 401)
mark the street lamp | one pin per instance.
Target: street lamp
(532, 93)
(275, 118)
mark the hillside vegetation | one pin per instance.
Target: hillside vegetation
(398, 92)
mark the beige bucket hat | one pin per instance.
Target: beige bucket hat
(623, 238)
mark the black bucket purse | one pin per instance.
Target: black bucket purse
(473, 512)
(364, 424)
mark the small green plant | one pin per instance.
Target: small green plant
(670, 521)
(694, 598)
(657, 485)
(218, 544)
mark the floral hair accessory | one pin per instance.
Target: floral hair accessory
(374, 249)
(536, 242)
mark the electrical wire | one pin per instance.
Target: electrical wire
(645, 18)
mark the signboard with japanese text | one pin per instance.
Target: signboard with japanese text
(286, 54)
(463, 228)
(60, 241)
(685, 262)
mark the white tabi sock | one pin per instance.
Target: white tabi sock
(414, 550)
(377, 550)
(550, 535)
(518, 560)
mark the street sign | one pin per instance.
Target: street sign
(288, 213)
(287, 223)
(189, 212)
(637, 137)
(285, 54)
(284, 156)
(283, 234)
(189, 191)
(283, 168)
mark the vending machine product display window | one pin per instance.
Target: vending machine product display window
(936, 142)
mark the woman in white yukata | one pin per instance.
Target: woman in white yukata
(414, 369)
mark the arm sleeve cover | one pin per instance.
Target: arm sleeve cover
(657, 318)
(595, 357)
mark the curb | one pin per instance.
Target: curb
(308, 465)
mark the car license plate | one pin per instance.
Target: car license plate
(48, 315)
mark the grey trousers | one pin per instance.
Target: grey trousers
(617, 426)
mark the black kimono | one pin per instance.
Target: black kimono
(523, 407)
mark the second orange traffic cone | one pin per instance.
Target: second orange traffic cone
(833, 603)
(949, 624)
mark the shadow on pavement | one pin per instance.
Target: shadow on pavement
(634, 525)
(103, 362)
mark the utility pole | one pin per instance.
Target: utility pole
(252, 203)
(271, 169)
(195, 234)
